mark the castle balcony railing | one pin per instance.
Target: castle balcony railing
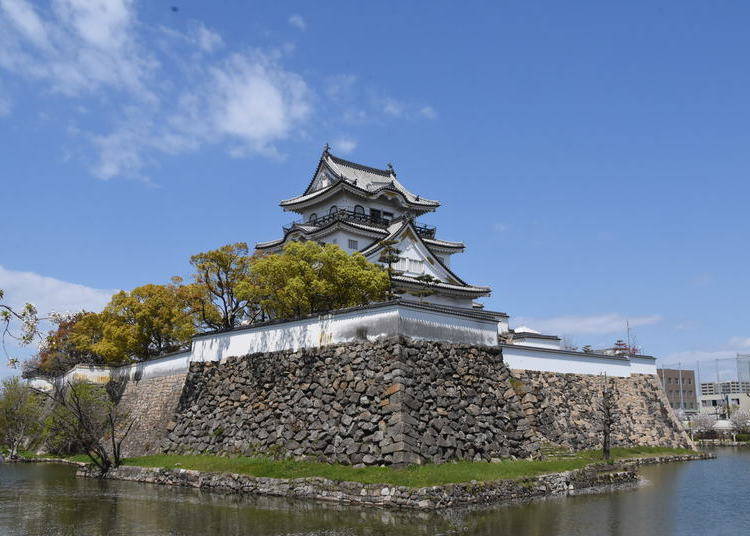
(425, 231)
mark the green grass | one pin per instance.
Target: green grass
(413, 476)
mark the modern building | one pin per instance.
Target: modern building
(723, 405)
(680, 388)
(724, 388)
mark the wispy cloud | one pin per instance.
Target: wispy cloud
(160, 91)
(4, 105)
(740, 342)
(428, 112)
(588, 325)
(298, 22)
(49, 294)
(78, 47)
(344, 145)
(499, 227)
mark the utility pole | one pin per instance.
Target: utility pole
(682, 400)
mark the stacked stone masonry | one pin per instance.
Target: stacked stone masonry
(563, 410)
(400, 401)
(150, 404)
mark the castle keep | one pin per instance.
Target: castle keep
(429, 377)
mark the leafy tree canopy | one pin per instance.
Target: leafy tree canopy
(147, 321)
(20, 414)
(311, 278)
(57, 353)
(213, 298)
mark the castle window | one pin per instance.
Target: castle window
(359, 209)
(412, 266)
(333, 210)
(353, 244)
(313, 218)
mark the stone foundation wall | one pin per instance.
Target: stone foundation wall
(400, 401)
(562, 409)
(152, 404)
(389, 402)
(383, 495)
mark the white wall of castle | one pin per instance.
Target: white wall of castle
(554, 360)
(370, 324)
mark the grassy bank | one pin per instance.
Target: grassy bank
(413, 476)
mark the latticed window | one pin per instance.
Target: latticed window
(412, 266)
(353, 244)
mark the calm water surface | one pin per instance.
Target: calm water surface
(694, 498)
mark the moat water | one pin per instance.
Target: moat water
(703, 498)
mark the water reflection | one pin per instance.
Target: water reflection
(691, 498)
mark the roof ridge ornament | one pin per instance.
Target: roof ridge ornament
(327, 149)
(389, 166)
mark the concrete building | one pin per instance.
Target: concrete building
(717, 404)
(680, 388)
(724, 388)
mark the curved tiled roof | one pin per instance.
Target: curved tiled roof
(367, 180)
(313, 230)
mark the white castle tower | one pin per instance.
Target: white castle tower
(358, 208)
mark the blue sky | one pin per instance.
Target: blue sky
(593, 156)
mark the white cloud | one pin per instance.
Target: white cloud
(340, 85)
(207, 39)
(393, 107)
(500, 227)
(298, 22)
(27, 22)
(595, 324)
(251, 98)
(740, 342)
(396, 108)
(344, 145)
(198, 35)
(158, 90)
(49, 294)
(80, 46)
(4, 106)
(428, 112)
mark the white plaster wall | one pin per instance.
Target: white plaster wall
(464, 303)
(538, 343)
(347, 327)
(641, 365)
(341, 239)
(527, 358)
(155, 368)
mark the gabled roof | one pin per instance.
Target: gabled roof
(361, 179)
(314, 232)
(400, 227)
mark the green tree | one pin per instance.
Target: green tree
(213, 298)
(57, 354)
(145, 322)
(87, 415)
(20, 414)
(429, 286)
(308, 277)
(390, 255)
